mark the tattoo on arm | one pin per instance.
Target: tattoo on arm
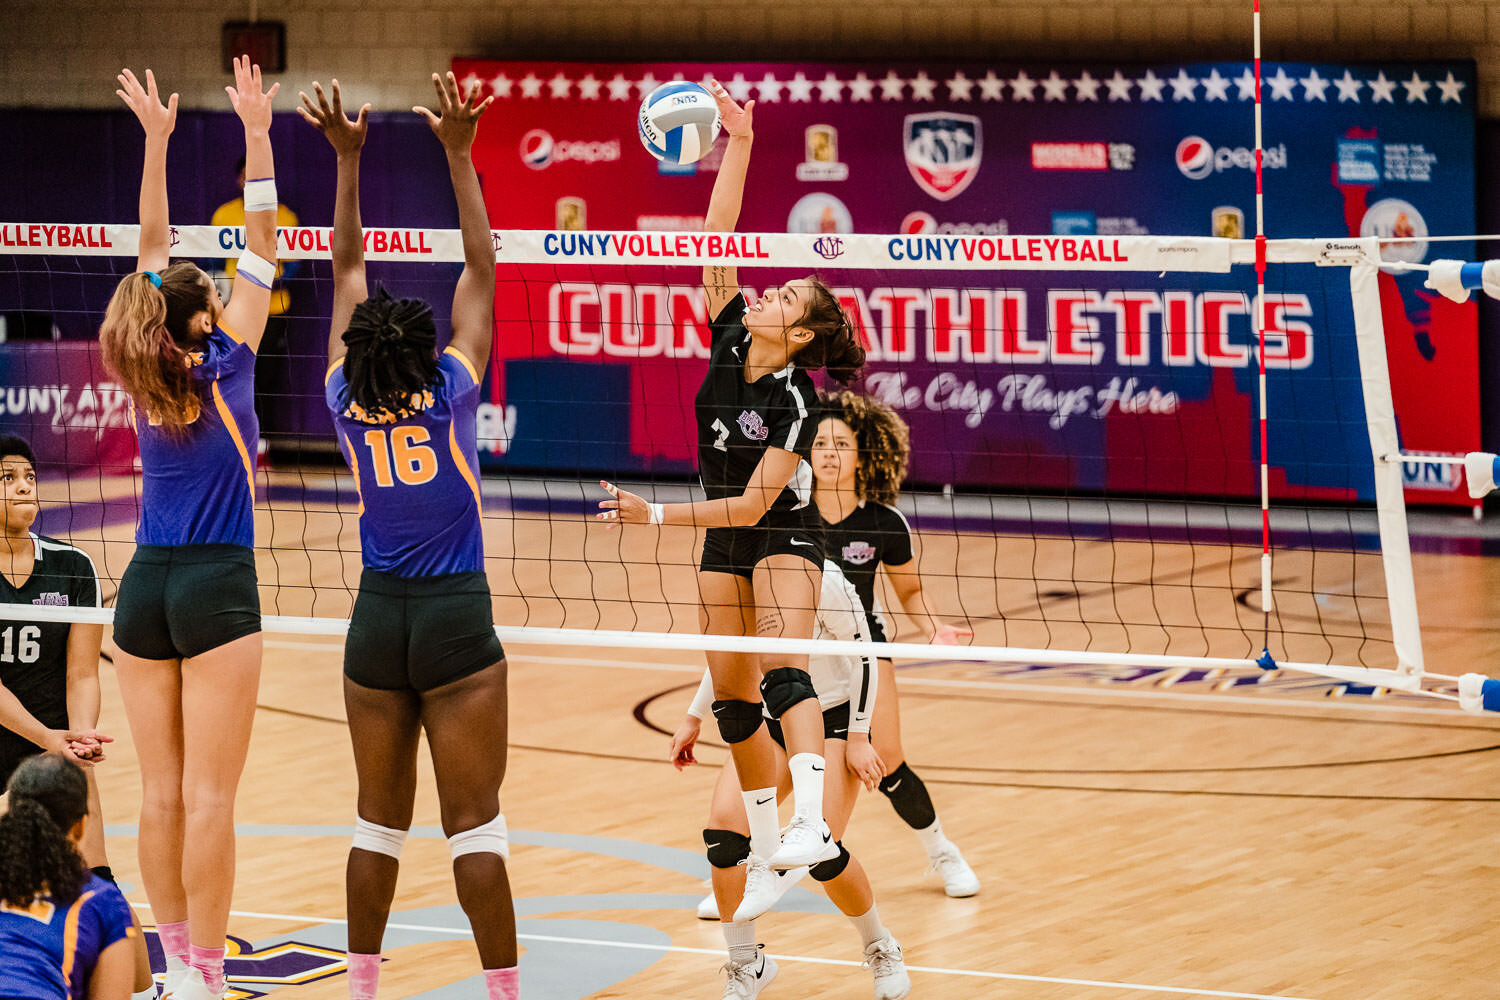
(716, 282)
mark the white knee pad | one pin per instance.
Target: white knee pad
(378, 839)
(491, 838)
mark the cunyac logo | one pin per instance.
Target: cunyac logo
(942, 150)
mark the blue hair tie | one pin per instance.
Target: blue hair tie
(154, 277)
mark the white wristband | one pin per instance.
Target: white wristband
(658, 511)
(260, 195)
(256, 268)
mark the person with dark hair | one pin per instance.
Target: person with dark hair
(763, 553)
(65, 933)
(187, 619)
(859, 460)
(49, 671)
(422, 652)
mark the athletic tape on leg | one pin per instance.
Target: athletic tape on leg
(491, 838)
(786, 687)
(378, 839)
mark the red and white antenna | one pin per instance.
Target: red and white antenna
(1260, 328)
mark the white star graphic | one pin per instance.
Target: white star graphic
(1313, 86)
(1087, 87)
(861, 88)
(619, 87)
(1246, 82)
(891, 87)
(560, 86)
(1022, 87)
(1416, 89)
(739, 88)
(1119, 86)
(799, 88)
(531, 86)
(922, 86)
(960, 88)
(588, 87)
(1151, 86)
(1054, 88)
(1184, 87)
(830, 88)
(1450, 88)
(769, 89)
(1216, 87)
(647, 83)
(1282, 86)
(500, 86)
(468, 83)
(1382, 89)
(1349, 87)
(991, 88)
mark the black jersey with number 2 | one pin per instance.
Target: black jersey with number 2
(738, 420)
(873, 534)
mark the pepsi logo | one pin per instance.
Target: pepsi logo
(918, 222)
(1195, 157)
(539, 150)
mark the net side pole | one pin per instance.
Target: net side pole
(1260, 331)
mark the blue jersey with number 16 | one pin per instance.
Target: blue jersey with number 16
(417, 471)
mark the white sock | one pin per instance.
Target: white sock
(932, 839)
(741, 940)
(807, 783)
(869, 926)
(765, 827)
(149, 993)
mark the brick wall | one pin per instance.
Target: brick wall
(64, 53)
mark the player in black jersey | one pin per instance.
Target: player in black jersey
(763, 555)
(49, 671)
(859, 459)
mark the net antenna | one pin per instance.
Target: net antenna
(1260, 331)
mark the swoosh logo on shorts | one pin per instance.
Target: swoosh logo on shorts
(798, 541)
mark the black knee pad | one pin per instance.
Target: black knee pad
(738, 720)
(909, 797)
(725, 848)
(785, 687)
(827, 871)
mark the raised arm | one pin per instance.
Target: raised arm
(455, 124)
(158, 120)
(348, 140)
(250, 300)
(721, 283)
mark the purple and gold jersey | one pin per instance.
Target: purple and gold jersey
(417, 473)
(198, 484)
(48, 952)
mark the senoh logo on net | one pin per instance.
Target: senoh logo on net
(540, 151)
(1197, 158)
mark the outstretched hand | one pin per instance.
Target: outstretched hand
(157, 119)
(250, 103)
(457, 119)
(735, 119)
(626, 507)
(343, 135)
(950, 635)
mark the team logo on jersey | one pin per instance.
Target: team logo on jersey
(753, 427)
(943, 150)
(858, 553)
(54, 600)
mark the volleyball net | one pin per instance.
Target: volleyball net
(1087, 468)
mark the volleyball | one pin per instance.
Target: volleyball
(678, 122)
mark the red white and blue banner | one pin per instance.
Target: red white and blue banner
(1107, 379)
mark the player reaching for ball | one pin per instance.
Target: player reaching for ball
(847, 687)
(422, 652)
(859, 459)
(763, 554)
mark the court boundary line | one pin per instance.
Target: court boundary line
(803, 959)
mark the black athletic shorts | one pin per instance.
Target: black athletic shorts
(876, 625)
(178, 601)
(835, 725)
(420, 632)
(737, 550)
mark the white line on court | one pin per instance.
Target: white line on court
(805, 959)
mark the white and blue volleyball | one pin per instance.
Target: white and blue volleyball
(678, 122)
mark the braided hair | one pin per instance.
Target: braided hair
(882, 439)
(391, 357)
(48, 796)
(835, 345)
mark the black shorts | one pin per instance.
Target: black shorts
(835, 725)
(876, 624)
(790, 532)
(178, 601)
(419, 633)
